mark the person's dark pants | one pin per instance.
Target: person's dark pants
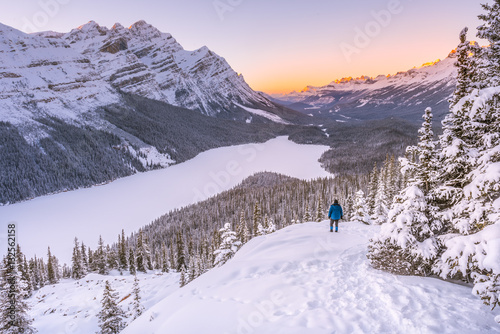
(336, 221)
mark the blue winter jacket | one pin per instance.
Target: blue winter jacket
(335, 212)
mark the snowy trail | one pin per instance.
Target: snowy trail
(304, 279)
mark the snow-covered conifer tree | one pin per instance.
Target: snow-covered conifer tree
(320, 214)
(475, 212)
(52, 268)
(307, 214)
(122, 251)
(361, 209)
(257, 217)
(372, 189)
(181, 259)
(228, 247)
(381, 201)
(100, 258)
(132, 264)
(182, 278)
(14, 318)
(111, 317)
(137, 307)
(77, 266)
(407, 243)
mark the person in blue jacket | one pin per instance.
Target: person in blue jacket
(335, 214)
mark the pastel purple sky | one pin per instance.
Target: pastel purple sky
(279, 45)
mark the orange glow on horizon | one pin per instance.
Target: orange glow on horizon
(286, 87)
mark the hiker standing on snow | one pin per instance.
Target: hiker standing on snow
(335, 214)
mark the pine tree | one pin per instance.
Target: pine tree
(51, 268)
(85, 259)
(182, 277)
(320, 214)
(463, 64)
(137, 308)
(490, 30)
(132, 264)
(26, 280)
(372, 189)
(181, 259)
(243, 232)
(77, 266)
(261, 230)
(100, 258)
(12, 300)
(111, 317)
(122, 254)
(271, 227)
(92, 266)
(473, 213)
(165, 268)
(140, 255)
(381, 201)
(361, 209)
(27, 277)
(307, 214)
(112, 258)
(257, 217)
(228, 246)
(407, 243)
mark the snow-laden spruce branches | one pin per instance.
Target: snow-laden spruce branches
(449, 221)
(407, 243)
(14, 318)
(111, 317)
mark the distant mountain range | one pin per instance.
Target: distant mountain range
(404, 95)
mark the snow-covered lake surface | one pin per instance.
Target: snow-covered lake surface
(135, 201)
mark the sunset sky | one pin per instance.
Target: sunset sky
(279, 45)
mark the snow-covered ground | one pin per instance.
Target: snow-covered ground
(135, 201)
(72, 305)
(303, 279)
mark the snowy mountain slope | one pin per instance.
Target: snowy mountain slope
(42, 78)
(71, 306)
(64, 74)
(405, 94)
(303, 279)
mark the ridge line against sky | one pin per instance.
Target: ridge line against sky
(280, 45)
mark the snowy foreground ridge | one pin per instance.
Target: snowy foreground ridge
(303, 279)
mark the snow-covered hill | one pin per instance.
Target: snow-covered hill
(405, 94)
(71, 306)
(301, 279)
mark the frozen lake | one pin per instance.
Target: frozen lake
(135, 201)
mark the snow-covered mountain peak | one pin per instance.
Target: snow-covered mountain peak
(88, 66)
(145, 30)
